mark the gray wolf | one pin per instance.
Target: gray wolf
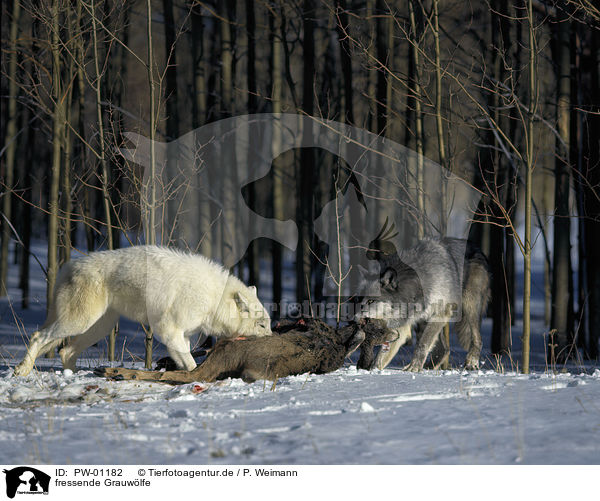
(306, 345)
(426, 286)
(176, 293)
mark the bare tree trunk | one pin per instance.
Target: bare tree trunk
(591, 196)
(546, 207)
(528, 190)
(253, 263)
(384, 43)
(213, 78)
(86, 205)
(576, 156)
(229, 180)
(28, 175)
(498, 181)
(384, 53)
(441, 140)
(306, 178)
(11, 145)
(356, 215)
(106, 199)
(58, 123)
(171, 72)
(371, 117)
(562, 225)
(67, 201)
(346, 60)
(276, 170)
(199, 118)
(151, 208)
(415, 89)
(199, 82)
(101, 146)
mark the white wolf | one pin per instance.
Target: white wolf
(177, 294)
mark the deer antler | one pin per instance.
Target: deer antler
(386, 233)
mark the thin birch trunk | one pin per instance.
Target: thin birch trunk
(305, 179)
(58, 125)
(346, 60)
(151, 204)
(562, 226)
(277, 174)
(528, 193)
(592, 202)
(416, 91)
(199, 118)
(253, 262)
(11, 145)
(371, 118)
(28, 174)
(441, 140)
(171, 72)
(495, 173)
(106, 200)
(87, 204)
(229, 179)
(67, 201)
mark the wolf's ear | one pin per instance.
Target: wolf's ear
(253, 289)
(364, 273)
(241, 302)
(389, 279)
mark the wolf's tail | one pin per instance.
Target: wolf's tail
(475, 296)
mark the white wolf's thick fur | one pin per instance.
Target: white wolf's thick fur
(175, 293)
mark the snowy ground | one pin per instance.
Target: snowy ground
(349, 416)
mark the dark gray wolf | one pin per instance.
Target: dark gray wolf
(426, 286)
(297, 347)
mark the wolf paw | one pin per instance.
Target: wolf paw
(22, 370)
(413, 367)
(472, 366)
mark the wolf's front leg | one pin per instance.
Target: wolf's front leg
(424, 345)
(178, 347)
(384, 357)
(440, 353)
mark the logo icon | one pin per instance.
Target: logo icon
(196, 183)
(26, 480)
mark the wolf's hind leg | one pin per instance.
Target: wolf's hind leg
(469, 335)
(42, 341)
(384, 358)
(424, 345)
(95, 333)
(472, 360)
(75, 310)
(440, 353)
(37, 345)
